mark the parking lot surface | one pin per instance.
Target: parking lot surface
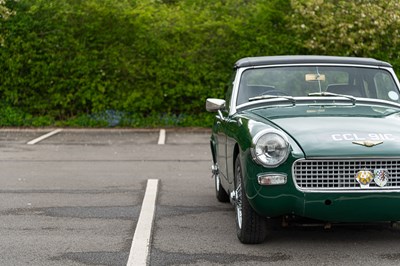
(75, 198)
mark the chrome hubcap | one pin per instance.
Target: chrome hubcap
(238, 196)
(217, 182)
(239, 206)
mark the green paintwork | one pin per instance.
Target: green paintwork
(316, 127)
(330, 132)
(315, 131)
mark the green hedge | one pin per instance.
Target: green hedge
(146, 62)
(70, 60)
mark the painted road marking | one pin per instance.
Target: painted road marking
(33, 142)
(140, 248)
(161, 138)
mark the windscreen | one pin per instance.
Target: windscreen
(300, 81)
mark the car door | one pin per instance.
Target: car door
(221, 138)
(221, 129)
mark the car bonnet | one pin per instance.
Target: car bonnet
(338, 132)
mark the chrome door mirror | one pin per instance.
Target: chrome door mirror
(215, 105)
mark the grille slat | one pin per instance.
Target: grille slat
(338, 174)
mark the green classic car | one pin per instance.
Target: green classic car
(316, 137)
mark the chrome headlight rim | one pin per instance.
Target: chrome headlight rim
(257, 138)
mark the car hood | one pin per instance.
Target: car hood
(339, 132)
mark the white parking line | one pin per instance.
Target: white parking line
(161, 138)
(33, 142)
(139, 252)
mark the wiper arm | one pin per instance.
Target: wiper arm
(265, 97)
(325, 93)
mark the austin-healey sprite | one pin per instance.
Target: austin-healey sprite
(307, 136)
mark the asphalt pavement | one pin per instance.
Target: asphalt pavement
(75, 198)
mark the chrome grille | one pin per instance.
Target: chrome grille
(340, 174)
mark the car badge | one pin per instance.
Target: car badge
(364, 177)
(381, 177)
(368, 143)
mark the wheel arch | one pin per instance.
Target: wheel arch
(213, 152)
(236, 152)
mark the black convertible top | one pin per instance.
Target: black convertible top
(313, 59)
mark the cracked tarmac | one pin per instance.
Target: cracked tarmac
(75, 198)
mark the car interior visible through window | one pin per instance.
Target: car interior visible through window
(301, 81)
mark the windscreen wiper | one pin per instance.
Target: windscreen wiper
(330, 94)
(266, 97)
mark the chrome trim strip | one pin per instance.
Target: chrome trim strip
(318, 101)
(319, 64)
(235, 90)
(350, 191)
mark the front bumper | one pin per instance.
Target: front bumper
(354, 207)
(373, 205)
(332, 207)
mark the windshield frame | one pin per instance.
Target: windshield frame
(234, 107)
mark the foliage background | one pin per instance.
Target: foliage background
(147, 63)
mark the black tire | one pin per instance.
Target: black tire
(251, 228)
(220, 192)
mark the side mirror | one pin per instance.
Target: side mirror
(214, 105)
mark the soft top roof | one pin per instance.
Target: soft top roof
(306, 59)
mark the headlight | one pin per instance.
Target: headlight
(270, 148)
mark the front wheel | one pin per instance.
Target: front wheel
(251, 228)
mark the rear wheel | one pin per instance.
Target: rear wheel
(251, 228)
(220, 192)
